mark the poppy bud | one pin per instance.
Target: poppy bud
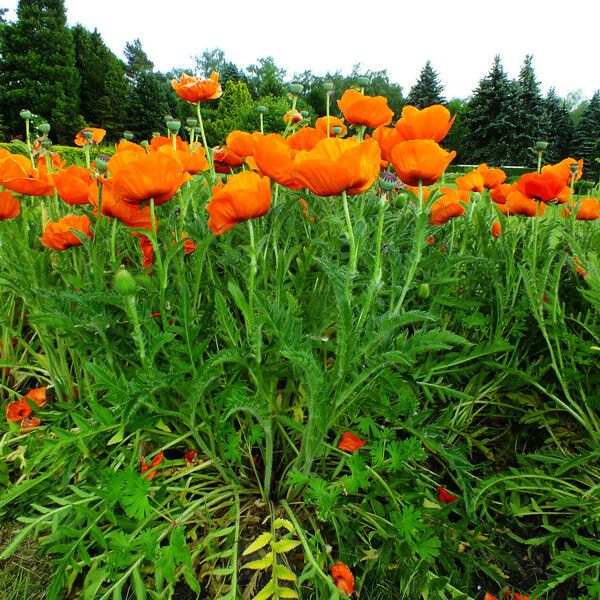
(197, 131)
(363, 80)
(540, 146)
(387, 181)
(155, 134)
(423, 291)
(44, 128)
(25, 114)
(296, 89)
(144, 143)
(261, 109)
(336, 130)
(173, 126)
(304, 113)
(328, 87)
(102, 163)
(128, 135)
(47, 143)
(124, 282)
(191, 122)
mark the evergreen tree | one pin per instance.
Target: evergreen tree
(586, 136)
(137, 60)
(458, 136)
(148, 106)
(489, 119)
(560, 128)
(104, 89)
(37, 69)
(234, 104)
(428, 89)
(529, 117)
(265, 78)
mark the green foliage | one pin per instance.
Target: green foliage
(234, 105)
(428, 89)
(560, 128)
(265, 78)
(148, 105)
(587, 133)
(137, 60)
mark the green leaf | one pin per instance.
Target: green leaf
(287, 593)
(282, 572)
(260, 542)
(283, 546)
(259, 565)
(266, 592)
(279, 523)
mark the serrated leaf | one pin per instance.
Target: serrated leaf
(92, 583)
(260, 542)
(138, 585)
(279, 523)
(266, 592)
(118, 437)
(283, 546)
(287, 593)
(282, 572)
(220, 572)
(259, 565)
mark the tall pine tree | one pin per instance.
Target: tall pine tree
(489, 119)
(586, 137)
(529, 117)
(148, 106)
(137, 60)
(428, 89)
(560, 128)
(37, 68)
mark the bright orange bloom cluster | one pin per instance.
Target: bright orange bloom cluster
(194, 90)
(245, 196)
(58, 234)
(19, 410)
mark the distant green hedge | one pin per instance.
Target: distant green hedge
(72, 154)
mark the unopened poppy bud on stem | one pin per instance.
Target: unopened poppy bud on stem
(125, 283)
(304, 114)
(102, 163)
(173, 126)
(423, 291)
(25, 114)
(88, 134)
(363, 80)
(261, 109)
(540, 146)
(46, 143)
(44, 128)
(328, 87)
(337, 130)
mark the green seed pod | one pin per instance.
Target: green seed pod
(44, 128)
(328, 86)
(88, 134)
(124, 282)
(155, 134)
(128, 135)
(387, 181)
(363, 80)
(337, 130)
(144, 143)
(423, 291)
(540, 146)
(173, 126)
(191, 122)
(261, 109)
(25, 114)
(296, 88)
(304, 114)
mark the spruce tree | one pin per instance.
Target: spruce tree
(560, 128)
(489, 119)
(586, 136)
(137, 60)
(148, 106)
(529, 117)
(104, 89)
(37, 68)
(428, 89)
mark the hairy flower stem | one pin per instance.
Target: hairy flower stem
(292, 111)
(328, 100)
(209, 156)
(419, 240)
(162, 275)
(138, 336)
(351, 241)
(376, 280)
(262, 124)
(86, 149)
(253, 269)
(28, 138)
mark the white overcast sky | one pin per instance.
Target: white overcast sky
(460, 37)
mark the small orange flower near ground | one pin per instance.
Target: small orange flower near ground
(154, 463)
(58, 234)
(17, 410)
(343, 578)
(194, 90)
(29, 424)
(447, 207)
(9, 206)
(190, 457)
(444, 496)
(38, 395)
(510, 595)
(359, 109)
(350, 442)
(496, 230)
(489, 596)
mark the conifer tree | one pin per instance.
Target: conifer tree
(37, 68)
(586, 137)
(137, 60)
(428, 89)
(148, 106)
(489, 119)
(529, 117)
(560, 128)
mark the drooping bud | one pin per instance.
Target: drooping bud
(328, 87)
(124, 282)
(423, 291)
(25, 114)
(296, 89)
(44, 128)
(128, 135)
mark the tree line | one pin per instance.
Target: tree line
(70, 78)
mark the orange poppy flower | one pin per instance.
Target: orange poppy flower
(58, 234)
(38, 395)
(17, 174)
(72, 184)
(359, 109)
(431, 123)
(489, 596)
(17, 410)
(147, 251)
(153, 464)
(444, 496)
(387, 138)
(245, 196)
(519, 204)
(562, 170)
(510, 595)
(192, 160)
(194, 90)
(415, 190)
(29, 424)
(343, 578)
(305, 139)
(130, 214)
(496, 229)
(294, 115)
(9, 206)
(446, 207)
(97, 136)
(500, 193)
(241, 143)
(350, 442)
(127, 146)
(225, 159)
(541, 186)
(137, 178)
(492, 178)
(336, 165)
(275, 159)
(421, 160)
(472, 181)
(589, 209)
(321, 125)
